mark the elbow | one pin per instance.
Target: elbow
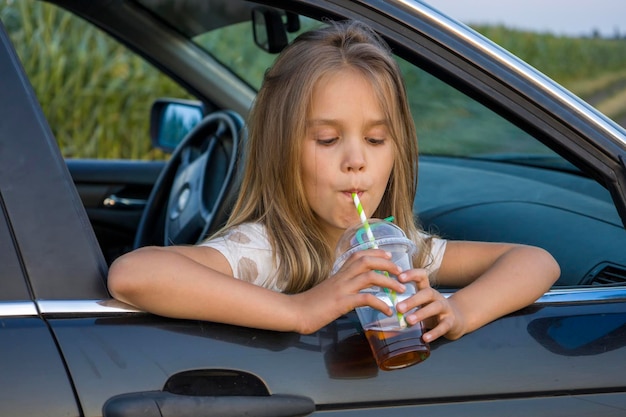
(119, 280)
(550, 266)
(556, 269)
(115, 278)
(124, 277)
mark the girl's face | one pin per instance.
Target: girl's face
(347, 148)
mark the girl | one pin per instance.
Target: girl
(331, 118)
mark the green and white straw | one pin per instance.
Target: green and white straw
(368, 231)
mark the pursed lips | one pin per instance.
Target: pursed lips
(349, 193)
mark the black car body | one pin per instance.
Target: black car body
(68, 349)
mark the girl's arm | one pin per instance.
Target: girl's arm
(177, 282)
(494, 279)
(194, 282)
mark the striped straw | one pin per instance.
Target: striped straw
(368, 231)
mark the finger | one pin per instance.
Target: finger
(439, 330)
(369, 299)
(418, 276)
(365, 263)
(379, 253)
(434, 309)
(380, 279)
(421, 299)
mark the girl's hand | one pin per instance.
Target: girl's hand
(438, 312)
(340, 293)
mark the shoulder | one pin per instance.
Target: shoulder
(248, 251)
(246, 235)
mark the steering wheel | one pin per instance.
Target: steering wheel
(190, 198)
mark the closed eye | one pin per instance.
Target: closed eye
(375, 141)
(326, 142)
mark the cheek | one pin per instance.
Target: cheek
(313, 174)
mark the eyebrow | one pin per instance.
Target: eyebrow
(335, 122)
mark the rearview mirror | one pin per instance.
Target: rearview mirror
(269, 29)
(171, 120)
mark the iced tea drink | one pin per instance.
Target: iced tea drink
(397, 348)
(394, 343)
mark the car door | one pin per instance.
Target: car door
(556, 356)
(545, 368)
(33, 377)
(559, 356)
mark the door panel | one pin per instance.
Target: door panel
(114, 193)
(39, 385)
(513, 359)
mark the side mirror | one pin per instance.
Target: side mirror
(171, 120)
(269, 29)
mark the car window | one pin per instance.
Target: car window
(99, 107)
(448, 122)
(249, 61)
(452, 124)
(95, 93)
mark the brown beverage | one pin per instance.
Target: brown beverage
(394, 344)
(395, 349)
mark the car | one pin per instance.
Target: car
(507, 154)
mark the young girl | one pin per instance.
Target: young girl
(331, 118)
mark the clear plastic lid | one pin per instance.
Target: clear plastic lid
(355, 238)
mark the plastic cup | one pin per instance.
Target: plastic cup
(394, 343)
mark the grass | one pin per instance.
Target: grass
(85, 95)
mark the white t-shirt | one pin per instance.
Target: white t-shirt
(249, 253)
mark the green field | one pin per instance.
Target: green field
(83, 98)
(592, 68)
(70, 91)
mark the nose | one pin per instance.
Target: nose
(353, 157)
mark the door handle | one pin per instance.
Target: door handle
(116, 202)
(166, 404)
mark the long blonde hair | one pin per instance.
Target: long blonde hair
(272, 192)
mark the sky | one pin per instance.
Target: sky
(560, 17)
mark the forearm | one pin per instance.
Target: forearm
(516, 279)
(171, 284)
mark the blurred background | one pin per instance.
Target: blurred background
(581, 44)
(83, 78)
